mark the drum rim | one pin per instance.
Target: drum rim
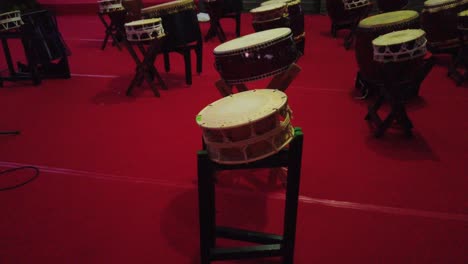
(167, 6)
(463, 15)
(377, 41)
(287, 2)
(273, 41)
(143, 22)
(278, 5)
(415, 15)
(447, 2)
(282, 102)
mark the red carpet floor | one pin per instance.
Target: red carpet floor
(118, 174)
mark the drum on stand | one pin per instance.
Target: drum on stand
(400, 54)
(270, 16)
(370, 28)
(296, 19)
(439, 20)
(179, 20)
(255, 56)
(246, 126)
(391, 5)
(109, 6)
(144, 30)
(10, 20)
(344, 12)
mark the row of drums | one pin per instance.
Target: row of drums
(439, 19)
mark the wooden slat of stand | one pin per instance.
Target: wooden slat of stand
(283, 80)
(280, 81)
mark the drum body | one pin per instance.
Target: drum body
(255, 56)
(179, 20)
(144, 30)
(391, 5)
(345, 12)
(374, 26)
(399, 54)
(246, 126)
(45, 37)
(439, 20)
(133, 9)
(109, 6)
(462, 20)
(295, 14)
(10, 20)
(269, 17)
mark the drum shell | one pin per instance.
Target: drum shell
(256, 62)
(391, 5)
(296, 19)
(368, 68)
(270, 24)
(462, 22)
(133, 9)
(403, 70)
(339, 15)
(181, 27)
(46, 39)
(441, 26)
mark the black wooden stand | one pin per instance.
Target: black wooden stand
(280, 82)
(392, 94)
(460, 59)
(32, 73)
(114, 28)
(271, 245)
(145, 69)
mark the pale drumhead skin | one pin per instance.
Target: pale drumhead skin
(278, 1)
(241, 108)
(251, 40)
(143, 22)
(430, 3)
(167, 5)
(265, 8)
(388, 18)
(463, 13)
(398, 37)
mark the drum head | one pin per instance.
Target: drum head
(463, 13)
(241, 108)
(143, 22)
(389, 18)
(431, 3)
(165, 6)
(398, 37)
(251, 40)
(280, 1)
(267, 8)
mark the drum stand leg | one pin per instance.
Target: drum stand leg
(145, 70)
(397, 113)
(270, 245)
(110, 32)
(280, 81)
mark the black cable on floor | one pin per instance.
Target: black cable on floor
(36, 174)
